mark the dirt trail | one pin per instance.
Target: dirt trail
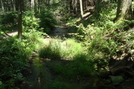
(13, 33)
(41, 76)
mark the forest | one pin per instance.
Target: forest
(66, 44)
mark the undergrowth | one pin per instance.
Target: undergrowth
(96, 41)
(58, 49)
(47, 21)
(14, 58)
(99, 40)
(103, 37)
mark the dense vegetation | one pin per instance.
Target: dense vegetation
(97, 50)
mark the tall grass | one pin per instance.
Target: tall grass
(57, 49)
(52, 50)
(70, 48)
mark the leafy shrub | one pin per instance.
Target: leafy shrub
(34, 38)
(14, 57)
(103, 38)
(8, 19)
(29, 21)
(13, 60)
(47, 21)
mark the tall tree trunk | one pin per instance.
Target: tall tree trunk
(84, 4)
(81, 9)
(74, 6)
(19, 19)
(13, 5)
(32, 4)
(2, 6)
(124, 10)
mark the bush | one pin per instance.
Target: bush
(47, 21)
(14, 57)
(8, 19)
(103, 38)
(29, 21)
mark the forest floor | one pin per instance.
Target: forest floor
(40, 74)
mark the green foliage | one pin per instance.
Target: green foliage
(33, 38)
(47, 21)
(29, 21)
(1, 31)
(8, 19)
(56, 49)
(70, 48)
(74, 69)
(14, 57)
(62, 85)
(72, 21)
(103, 38)
(53, 50)
(13, 60)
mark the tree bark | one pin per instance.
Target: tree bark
(32, 4)
(74, 6)
(2, 6)
(124, 10)
(81, 9)
(19, 19)
(13, 2)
